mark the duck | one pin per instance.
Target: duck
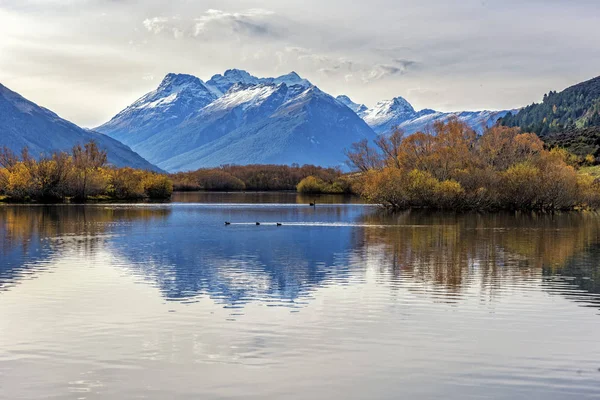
(258, 223)
(279, 224)
(227, 223)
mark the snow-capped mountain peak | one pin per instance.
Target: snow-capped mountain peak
(172, 87)
(239, 75)
(389, 110)
(291, 79)
(173, 81)
(220, 84)
(177, 96)
(398, 112)
(357, 108)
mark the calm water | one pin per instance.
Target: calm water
(341, 302)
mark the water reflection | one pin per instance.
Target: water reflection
(186, 252)
(32, 237)
(262, 198)
(342, 301)
(449, 250)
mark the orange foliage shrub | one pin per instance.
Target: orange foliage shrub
(454, 168)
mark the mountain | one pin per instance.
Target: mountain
(177, 96)
(25, 124)
(220, 84)
(357, 108)
(237, 118)
(398, 112)
(269, 124)
(477, 120)
(574, 108)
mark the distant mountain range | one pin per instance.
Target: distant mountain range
(388, 114)
(238, 118)
(233, 118)
(25, 124)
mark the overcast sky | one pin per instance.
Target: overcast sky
(88, 59)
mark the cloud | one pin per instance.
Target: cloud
(216, 25)
(471, 60)
(405, 64)
(156, 25)
(253, 22)
(345, 67)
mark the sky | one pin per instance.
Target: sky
(88, 59)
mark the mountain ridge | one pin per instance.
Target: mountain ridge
(26, 124)
(166, 125)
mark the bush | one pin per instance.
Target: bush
(454, 168)
(125, 183)
(258, 177)
(314, 185)
(80, 175)
(219, 181)
(310, 184)
(157, 186)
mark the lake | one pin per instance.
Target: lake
(343, 301)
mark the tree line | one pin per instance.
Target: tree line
(259, 177)
(452, 167)
(80, 175)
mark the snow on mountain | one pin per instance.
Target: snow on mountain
(477, 120)
(25, 124)
(386, 113)
(291, 125)
(245, 95)
(289, 79)
(177, 96)
(253, 120)
(220, 84)
(239, 118)
(400, 113)
(357, 108)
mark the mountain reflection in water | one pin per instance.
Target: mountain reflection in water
(343, 301)
(185, 250)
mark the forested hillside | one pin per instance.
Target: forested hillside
(576, 107)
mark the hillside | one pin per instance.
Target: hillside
(568, 111)
(25, 124)
(581, 142)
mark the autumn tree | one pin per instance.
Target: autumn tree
(451, 167)
(363, 157)
(87, 161)
(390, 147)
